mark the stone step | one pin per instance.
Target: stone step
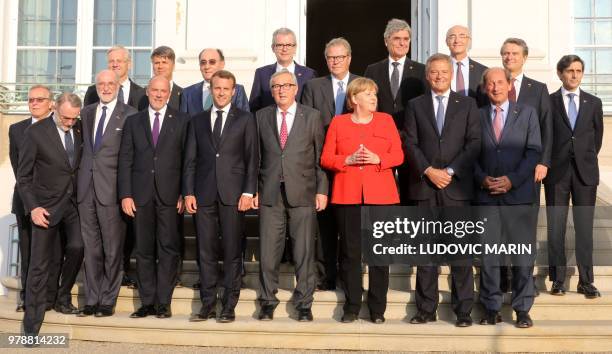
(327, 333)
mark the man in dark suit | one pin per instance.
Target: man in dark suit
(399, 79)
(149, 186)
(327, 94)
(198, 97)
(292, 188)
(504, 173)
(220, 180)
(130, 93)
(162, 61)
(40, 105)
(284, 45)
(577, 139)
(442, 130)
(467, 72)
(48, 163)
(102, 226)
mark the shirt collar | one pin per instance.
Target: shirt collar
(205, 85)
(504, 106)
(291, 110)
(225, 109)
(465, 61)
(335, 80)
(162, 112)
(401, 60)
(519, 78)
(126, 83)
(445, 94)
(110, 106)
(290, 67)
(564, 92)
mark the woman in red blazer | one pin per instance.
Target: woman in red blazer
(360, 149)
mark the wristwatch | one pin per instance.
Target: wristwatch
(450, 171)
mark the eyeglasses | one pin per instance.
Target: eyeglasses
(209, 62)
(37, 99)
(278, 87)
(283, 46)
(337, 58)
(462, 36)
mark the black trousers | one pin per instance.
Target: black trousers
(157, 251)
(557, 203)
(43, 257)
(326, 248)
(462, 285)
(219, 233)
(349, 226)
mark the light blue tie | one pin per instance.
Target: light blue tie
(440, 114)
(340, 97)
(206, 99)
(572, 112)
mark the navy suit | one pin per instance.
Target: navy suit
(261, 96)
(192, 103)
(515, 156)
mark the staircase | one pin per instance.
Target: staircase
(567, 323)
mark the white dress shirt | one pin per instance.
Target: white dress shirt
(465, 70)
(162, 113)
(290, 117)
(110, 107)
(62, 134)
(564, 94)
(400, 67)
(126, 90)
(517, 84)
(290, 67)
(335, 84)
(213, 116)
(444, 101)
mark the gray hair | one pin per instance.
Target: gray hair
(71, 98)
(469, 33)
(120, 48)
(282, 30)
(438, 57)
(279, 73)
(521, 43)
(44, 87)
(115, 75)
(340, 41)
(158, 77)
(507, 75)
(395, 25)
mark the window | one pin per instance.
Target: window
(46, 42)
(593, 43)
(129, 23)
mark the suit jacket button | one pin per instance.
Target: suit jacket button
(361, 167)
(573, 137)
(498, 150)
(155, 158)
(217, 155)
(152, 171)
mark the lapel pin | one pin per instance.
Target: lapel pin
(456, 101)
(515, 112)
(410, 67)
(117, 128)
(471, 66)
(529, 85)
(169, 115)
(584, 101)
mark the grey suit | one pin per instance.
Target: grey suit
(289, 179)
(319, 94)
(102, 226)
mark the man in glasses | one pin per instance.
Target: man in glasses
(40, 104)
(284, 46)
(198, 97)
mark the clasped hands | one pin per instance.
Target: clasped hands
(497, 185)
(244, 203)
(363, 156)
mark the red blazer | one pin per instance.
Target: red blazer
(375, 183)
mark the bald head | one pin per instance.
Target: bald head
(107, 84)
(458, 40)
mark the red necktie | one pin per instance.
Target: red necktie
(497, 123)
(283, 130)
(512, 93)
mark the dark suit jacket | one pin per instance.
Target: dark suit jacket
(298, 162)
(44, 175)
(16, 136)
(174, 101)
(515, 156)
(260, 92)
(145, 169)
(226, 171)
(319, 94)
(136, 95)
(475, 90)
(457, 147)
(411, 86)
(584, 142)
(98, 169)
(191, 103)
(535, 94)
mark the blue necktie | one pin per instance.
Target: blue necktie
(572, 111)
(69, 147)
(340, 97)
(100, 130)
(440, 114)
(120, 97)
(206, 98)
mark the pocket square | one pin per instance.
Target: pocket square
(117, 128)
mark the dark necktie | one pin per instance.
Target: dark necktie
(440, 114)
(155, 130)
(217, 128)
(69, 147)
(100, 130)
(512, 93)
(460, 87)
(120, 97)
(395, 79)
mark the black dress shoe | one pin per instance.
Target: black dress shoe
(144, 311)
(227, 316)
(305, 315)
(423, 317)
(349, 317)
(463, 320)
(20, 307)
(589, 290)
(129, 282)
(196, 286)
(326, 286)
(491, 318)
(523, 320)
(163, 311)
(377, 318)
(49, 307)
(557, 288)
(206, 312)
(266, 313)
(105, 311)
(66, 309)
(88, 310)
